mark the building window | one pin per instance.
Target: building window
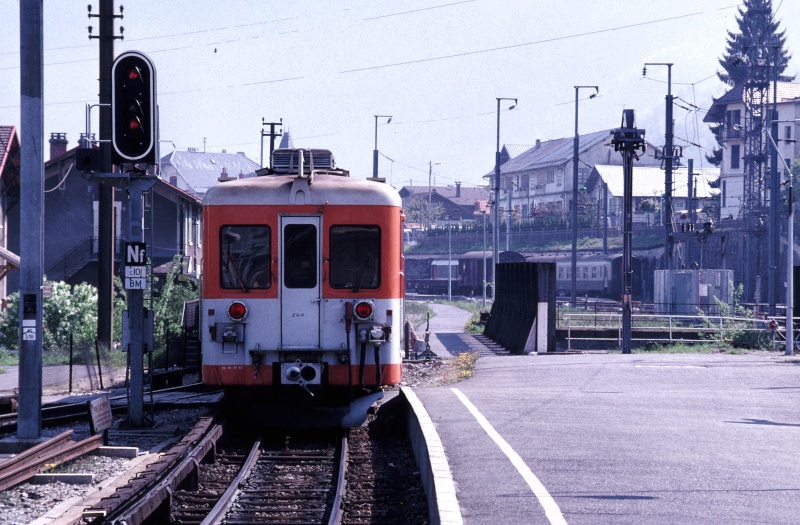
(594, 272)
(733, 124)
(724, 193)
(551, 176)
(735, 157)
(787, 133)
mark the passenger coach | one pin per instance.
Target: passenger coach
(302, 296)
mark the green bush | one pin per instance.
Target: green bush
(71, 310)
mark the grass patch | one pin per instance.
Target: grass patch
(685, 348)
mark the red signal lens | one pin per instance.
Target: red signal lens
(363, 310)
(237, 311)
(133, 73)
(134, 124)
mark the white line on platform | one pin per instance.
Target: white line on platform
(547, 502)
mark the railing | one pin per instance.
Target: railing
(75, 259)
(666, 329)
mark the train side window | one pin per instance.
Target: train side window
(355, 255)
(300, 256)
(245, 257)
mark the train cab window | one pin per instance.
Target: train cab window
(245, 257)
(300, 256)
(355, 253)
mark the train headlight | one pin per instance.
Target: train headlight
(364, 310)
(377, 336)
(237, 311)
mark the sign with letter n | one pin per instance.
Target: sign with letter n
(135, 264)
(135, 254)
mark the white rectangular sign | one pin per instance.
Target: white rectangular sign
(135, 283)
(135, 271)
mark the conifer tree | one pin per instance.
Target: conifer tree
(750, 51)
(750, 54)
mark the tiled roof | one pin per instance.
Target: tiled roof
(648, 181)
(468, 196)
(202, 170)
(552, 153)
(515, 150)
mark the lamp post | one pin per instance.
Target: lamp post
(575, 149)
(496, 210)
(450, 258)
(790, 240)
(375, 151)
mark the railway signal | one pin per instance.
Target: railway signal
(134, 126)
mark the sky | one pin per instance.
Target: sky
(435, 66)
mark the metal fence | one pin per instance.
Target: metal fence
(606, 327)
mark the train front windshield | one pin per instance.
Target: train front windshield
(245, 257)
(355, 257)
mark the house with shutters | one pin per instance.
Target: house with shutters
(742, 114)
(171, 221)
(539, 179)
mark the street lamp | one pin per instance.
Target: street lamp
(375, 151)
(496, 210)
(450, 257)
(575, 148)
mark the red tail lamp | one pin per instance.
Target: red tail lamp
(364, 310)
(237, 311)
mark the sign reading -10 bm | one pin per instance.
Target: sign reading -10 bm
(134, 126)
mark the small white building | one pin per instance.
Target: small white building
(648, 186)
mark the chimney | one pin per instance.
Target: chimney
(224, 177)
(458, 189)
(58, 144)
(538, 144)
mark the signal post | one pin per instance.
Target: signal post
(134, 141)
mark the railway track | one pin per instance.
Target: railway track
(54, 451)
(294, 482)
(297, 480)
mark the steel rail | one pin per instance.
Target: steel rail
(218, 512)
(341, 484)
(39, 458)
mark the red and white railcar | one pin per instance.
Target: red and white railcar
(302, 289)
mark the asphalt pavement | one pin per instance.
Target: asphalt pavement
(623, 439)
(447, 330)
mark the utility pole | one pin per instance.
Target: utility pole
(105, 214)
(29, 417)
(627, 140)
(773, 252)
(496, 210)
(668, 154)
(689, 210)
(271, 134)
(605, 217)
(575, 151)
